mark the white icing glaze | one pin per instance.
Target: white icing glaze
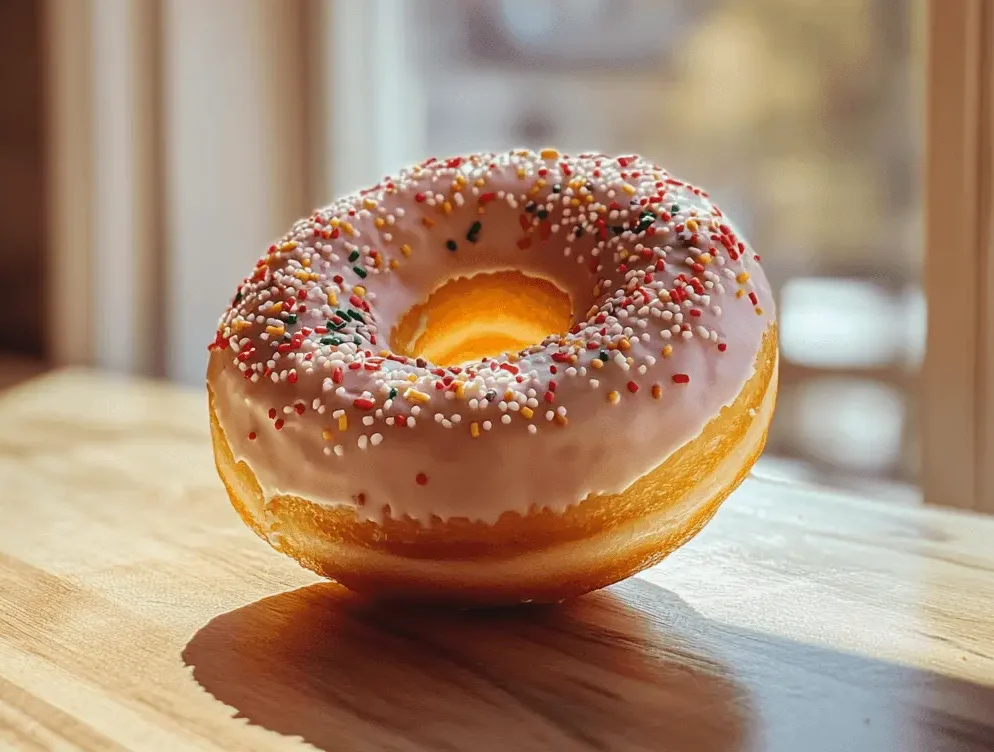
(460, 458)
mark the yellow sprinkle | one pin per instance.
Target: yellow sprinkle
(704, 258)
(527, 412)
(512, 357)
(630, 360)
(327, 434)
(480, 182)
(589, 198)
(306, 263)
(289, 246)
(413, 395)
(624, 344)
(596, 363)
(405, 249)
(394, 264)
(474, 429)
(742, 277)
(447, 207)
(302, 275)
(460, 390)
(240, 325)
(759, 311)
(629, 189)
(667, 351)
(664, 296)
(359, 290)
(549, 154)
(623, 254)
(657, 391)
(740, 293)
(692, 225)
(332, 299)
(379, 222)
(613, 397)
(368, 203)
(335, 222)
(343, 423)
(574, 202)
(275, 331)
(384, 353)
(521, 172)
(562, 420)
(428, 222)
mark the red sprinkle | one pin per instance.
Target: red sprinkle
(362, 403)
(279, 424)
(251, 435)
(421, 479)
(633, 387)
(680, 378)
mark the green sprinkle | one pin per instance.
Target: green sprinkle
(543, 213)
(451, 245)
(360, 271)
(530, 207)
(291, 319)
(330, 341)
(238, 297)
(604, 356)
(393, 393)
(474, 231)
(675, 208)
(353, 256)
(556, 188)
(355, 315)
(356, 340)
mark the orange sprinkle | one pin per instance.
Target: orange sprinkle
(474, 429)
(527, 412)
(343, 423)
(667, 351)
(549, 154)
(613, 397)
(405, 249)
(327, 434)
(742, 278)
(657, 391)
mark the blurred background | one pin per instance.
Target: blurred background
(151, 149)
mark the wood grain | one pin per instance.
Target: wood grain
(137, 612)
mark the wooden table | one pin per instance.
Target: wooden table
(137, 612)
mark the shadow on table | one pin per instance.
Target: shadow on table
(342, 673)
(631, 668)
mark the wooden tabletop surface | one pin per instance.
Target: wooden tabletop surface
(137, 612)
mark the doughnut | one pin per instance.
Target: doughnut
(496, 378)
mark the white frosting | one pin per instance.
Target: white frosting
(437, 468)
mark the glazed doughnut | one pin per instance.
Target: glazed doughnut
(495, 378)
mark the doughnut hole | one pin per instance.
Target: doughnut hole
(470, 318)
